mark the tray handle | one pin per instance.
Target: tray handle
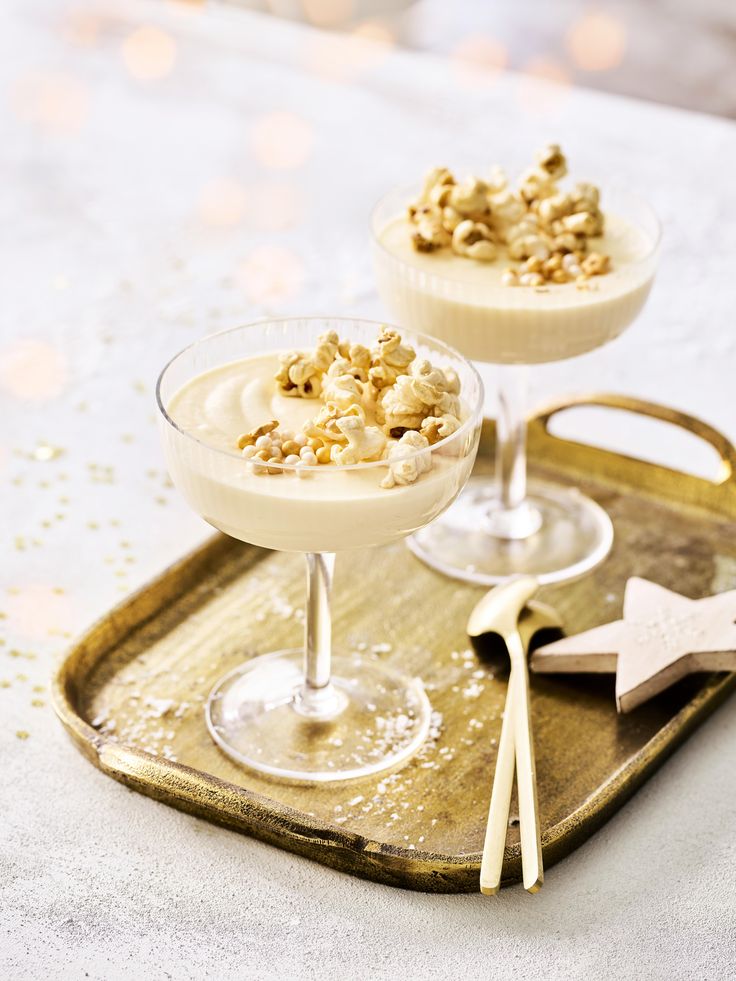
(630, 403)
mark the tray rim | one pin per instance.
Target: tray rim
(194, 791)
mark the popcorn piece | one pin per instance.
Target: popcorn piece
(324, 426)
(555, 207)
(534, 185)
(249, 438)
(475, 240)
(359, 358)
(507, 206)
(584, 223)
(435, 428)
(451, 218)
(566, 242)
(430, 233)
(497, 181)
(416, 396)
(596, 264)
(529, 225)
(437, 178)
(405, 471)
(340, 386)
(390, 358)
(470, 199)
(528, 246)
(364, 443)
(301, 373)
(551, 160)
(585, 197)
(536, 221)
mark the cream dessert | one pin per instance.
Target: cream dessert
(524, 274)
(341, 447)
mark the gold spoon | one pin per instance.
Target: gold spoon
(504, 613)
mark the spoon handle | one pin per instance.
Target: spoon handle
(526, 776)
(491, 865)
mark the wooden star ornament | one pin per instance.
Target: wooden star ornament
(663, 637)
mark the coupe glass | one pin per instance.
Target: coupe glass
(505, 526)
(287, 713)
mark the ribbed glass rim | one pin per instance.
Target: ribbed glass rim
(409, 336)
(411, 191)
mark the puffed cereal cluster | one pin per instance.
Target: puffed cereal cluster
(542, 228)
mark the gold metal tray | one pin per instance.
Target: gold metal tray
(130, 693)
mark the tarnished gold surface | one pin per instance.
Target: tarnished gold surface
(142, 673)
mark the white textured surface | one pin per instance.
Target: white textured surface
(105, 258)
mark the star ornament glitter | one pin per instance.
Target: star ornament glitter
(663, 637)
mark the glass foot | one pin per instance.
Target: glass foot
(370, 718)
(573, 534)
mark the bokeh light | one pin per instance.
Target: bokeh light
(275, 205)
(327, 13)
(597, 41)
(282, 140)
(544, 86)
(479, 59)
(81, 27)
(344, 57)
(149, 53)
(375, 31)
(222, 203)
(55, 102)
(33, 370)
(271, 274)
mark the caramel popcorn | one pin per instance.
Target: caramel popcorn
(401, 393)
(364, 443)
(470, 199)
(551, 160)
(437, 179)
(406, 471)
(536, 221)
(475, 240)
(435, 428)
(359, 358)
(324, 427)
(426, 391)
(301, 373)
(390, 358)
(595, 264)
(340, 386)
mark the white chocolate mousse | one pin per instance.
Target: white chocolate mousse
(293, 501)
(522, 274)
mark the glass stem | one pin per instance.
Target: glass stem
(512, 516)
(318, 698)
(511, 435)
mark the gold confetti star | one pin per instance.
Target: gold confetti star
(22, 734)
